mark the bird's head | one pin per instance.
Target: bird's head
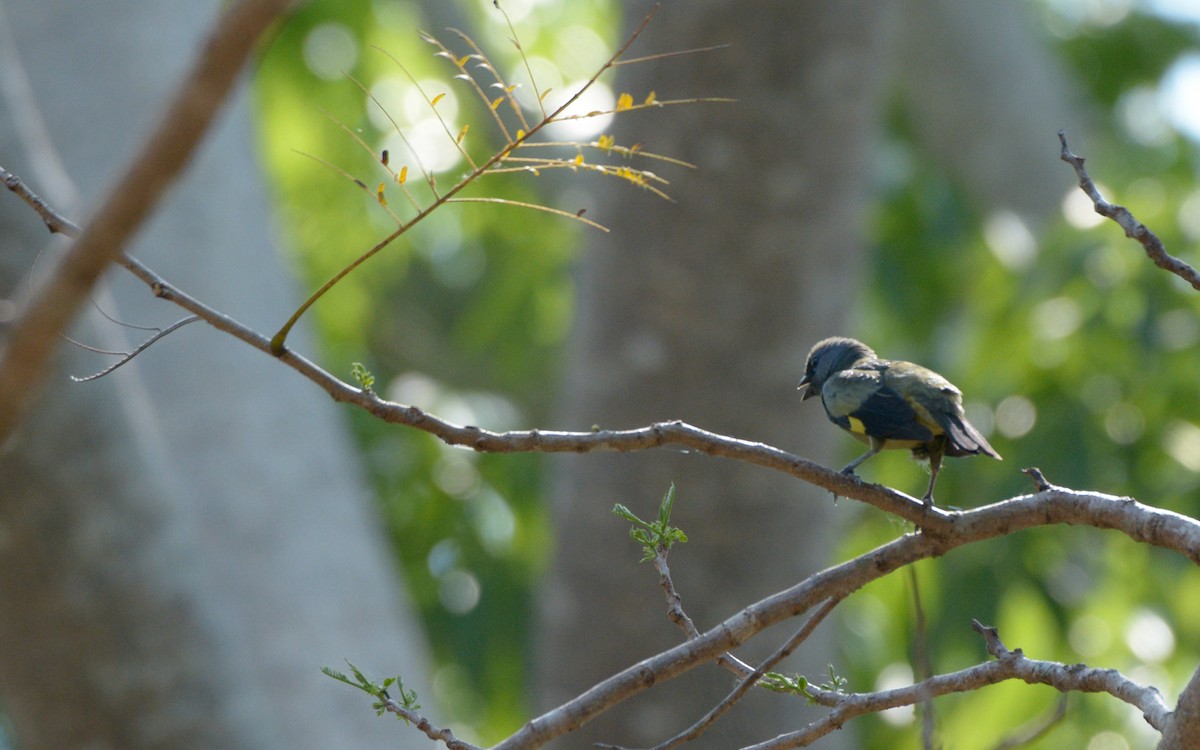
(829, 356)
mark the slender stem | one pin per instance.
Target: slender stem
(277, 341)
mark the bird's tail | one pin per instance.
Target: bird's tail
(964, 440)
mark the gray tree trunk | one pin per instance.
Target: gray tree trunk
(703, 310)
(185, 542)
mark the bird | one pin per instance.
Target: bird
(890, 404)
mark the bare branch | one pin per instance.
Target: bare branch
(429, 730)
(129, 203)
(55, 222)
(128, 356)
(1009, 665)
(1134, 229)
(1078, 677)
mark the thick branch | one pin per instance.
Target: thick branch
(1055, 505)
(127, 205)
(1183, 725)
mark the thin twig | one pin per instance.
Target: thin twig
(432, 104)
(1053, 674)
(128, 356)
(279, 340)
(528, 70)
(56, 223)
(673, 53)
(750, 680)
(442, 734)
(657, 103)
(677, 615)
(430, 180)
(535, 207)
(1134, 229)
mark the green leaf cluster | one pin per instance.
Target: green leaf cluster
(380, 690)
(656, 537)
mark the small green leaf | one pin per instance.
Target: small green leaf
(657, 536)
(362, 376)
(667, 504)
(625, 513)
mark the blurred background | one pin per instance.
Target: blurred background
(889, 173)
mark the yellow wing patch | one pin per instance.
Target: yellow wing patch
(856, 425)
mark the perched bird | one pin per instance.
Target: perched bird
(889, 404)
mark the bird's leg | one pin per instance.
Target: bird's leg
(935, 465)
(876, 446)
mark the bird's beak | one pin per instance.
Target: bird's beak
(808, 390)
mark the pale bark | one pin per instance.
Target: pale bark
(184, 543)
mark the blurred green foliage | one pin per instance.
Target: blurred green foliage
(1076, 352)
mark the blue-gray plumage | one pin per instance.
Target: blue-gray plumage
(888, 404)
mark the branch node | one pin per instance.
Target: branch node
(991, 638)
(1039, 479)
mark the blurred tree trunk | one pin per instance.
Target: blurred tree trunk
(186, 541)
(703, 310)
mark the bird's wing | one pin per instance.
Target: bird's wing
(939, 404)
(857, 400)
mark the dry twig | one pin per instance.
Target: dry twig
(1134, 229)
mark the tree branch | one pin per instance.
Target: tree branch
(1055, 505)
(1183, 725)
(55, 222)
(129, 203)
(1134, 229)
(423, 725)
(1009, 665)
